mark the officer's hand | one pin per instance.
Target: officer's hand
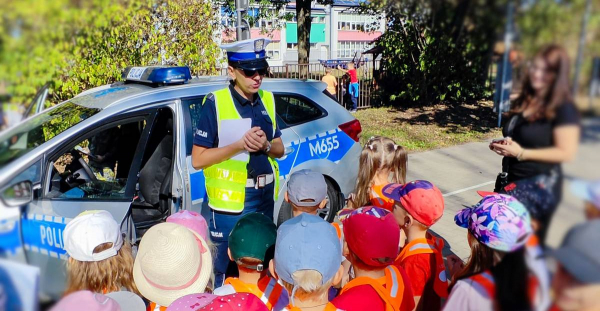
(253, 142)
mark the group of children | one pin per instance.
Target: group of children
(381, 254)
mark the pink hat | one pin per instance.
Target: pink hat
(420, 198)
(190, 220)
(86, 300)
(373, 235)
(237, 301)
(191, 302)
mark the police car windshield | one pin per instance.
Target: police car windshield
(37, 130)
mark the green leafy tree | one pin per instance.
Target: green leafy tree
(271, 8)
(542, 22)
(436, 51)
(79, 45)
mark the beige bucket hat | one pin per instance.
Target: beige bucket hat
(172, 261)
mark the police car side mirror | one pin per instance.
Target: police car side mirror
(18, 194)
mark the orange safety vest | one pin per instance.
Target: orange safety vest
(378, 199)
(271, 293)
(153, 306)
(486, 280)
(390, 288)
(338, 230)
(433, 246)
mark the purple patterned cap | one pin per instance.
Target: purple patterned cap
(499, 221)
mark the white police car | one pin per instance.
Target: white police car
(126, 148)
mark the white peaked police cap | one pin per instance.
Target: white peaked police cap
(88, 230)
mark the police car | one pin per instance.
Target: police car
(126, 148)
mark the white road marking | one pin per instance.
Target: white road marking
(468, 188)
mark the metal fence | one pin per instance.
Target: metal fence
(368, 73)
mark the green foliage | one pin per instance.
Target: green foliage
(543, 22)
(79, 45)
(436, 51)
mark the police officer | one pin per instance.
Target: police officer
(237, 184)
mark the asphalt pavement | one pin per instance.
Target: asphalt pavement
(460, 171)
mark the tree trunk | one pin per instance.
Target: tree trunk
(304, 23)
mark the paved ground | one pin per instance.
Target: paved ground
(460, 171)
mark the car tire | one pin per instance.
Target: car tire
(333, 205)
(328, 213)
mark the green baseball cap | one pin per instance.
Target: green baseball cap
(252, 236)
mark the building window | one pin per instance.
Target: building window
(273, 50)
(346, 49)
(292, 46)
(356, 22)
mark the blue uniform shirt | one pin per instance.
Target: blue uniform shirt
(206, 135)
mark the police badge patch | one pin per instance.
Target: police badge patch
(259, 45)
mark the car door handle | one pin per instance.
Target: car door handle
(288, 150)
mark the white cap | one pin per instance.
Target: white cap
(88, 230)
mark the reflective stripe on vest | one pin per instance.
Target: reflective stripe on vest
(433, 246)
(273, 294)
(226, 181)
(391, 294)
(268, 290)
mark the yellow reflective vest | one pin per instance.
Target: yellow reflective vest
(226, 181)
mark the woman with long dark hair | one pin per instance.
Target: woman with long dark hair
(542, 131)
(497, 276)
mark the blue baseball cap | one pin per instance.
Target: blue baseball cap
(307, 242)
(247, 54)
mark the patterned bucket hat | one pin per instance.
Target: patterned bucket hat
(498, 221)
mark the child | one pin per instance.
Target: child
(331, 84)
(576, 284)
(353, 86)
(307, 261)
(172, 261)
(99, 259)
(497, 276)
(372, 237)
(192, 221)
(590, 193)
(417, 206)
(381, 162)
(249, 241)
(306, 192)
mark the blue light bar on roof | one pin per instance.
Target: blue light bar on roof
(157, 74)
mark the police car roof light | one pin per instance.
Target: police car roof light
(157, 74)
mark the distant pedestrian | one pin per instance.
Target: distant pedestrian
(353, 87)
(332, 83)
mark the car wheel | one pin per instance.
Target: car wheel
(328, 212)
(334, 204)
(285, 213)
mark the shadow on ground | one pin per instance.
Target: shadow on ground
(456, 117)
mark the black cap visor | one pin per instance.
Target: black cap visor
(252, 64)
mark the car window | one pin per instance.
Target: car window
(97, 167)
(294, 110)
(39, 129)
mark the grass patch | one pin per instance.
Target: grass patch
(425, 128)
